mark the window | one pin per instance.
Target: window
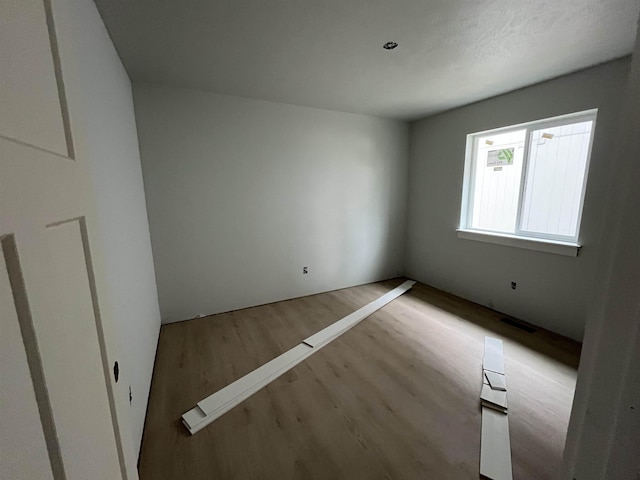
(528, 181)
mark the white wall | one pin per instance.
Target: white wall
(552, 290)
(243, 193)
(110, 143)
(604, 430)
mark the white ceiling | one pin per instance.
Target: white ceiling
(328, 53)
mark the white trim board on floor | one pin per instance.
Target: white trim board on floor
(495, 446)
(338, 328)
(493, 355)
(255, 380)
(496, 397)
(497, 381)
(217, 404)
(230, 396)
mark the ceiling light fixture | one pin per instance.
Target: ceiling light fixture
(390, 45)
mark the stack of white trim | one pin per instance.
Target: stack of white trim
(495, 446)
(219, 403)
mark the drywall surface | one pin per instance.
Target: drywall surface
(604, 430)
(242, 194)
(552, 290)
(111, 146)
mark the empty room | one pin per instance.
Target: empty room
(296, 239)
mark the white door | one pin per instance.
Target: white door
(57, 410)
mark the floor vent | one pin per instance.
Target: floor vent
(518, 324)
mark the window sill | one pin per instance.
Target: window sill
(548, 246)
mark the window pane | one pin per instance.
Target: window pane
(496, 182)
(555, 176)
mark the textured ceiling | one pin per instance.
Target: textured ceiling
(328, 53)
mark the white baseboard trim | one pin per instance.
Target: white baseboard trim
(495, 446)
(493, 355)
(219, 403)
(497, 381)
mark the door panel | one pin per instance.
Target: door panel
(45, 197)
(30, 99)
(79, 395)
(23, 449)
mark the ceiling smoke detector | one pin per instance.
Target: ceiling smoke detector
(390, 45)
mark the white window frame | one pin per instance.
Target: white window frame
(561, 244)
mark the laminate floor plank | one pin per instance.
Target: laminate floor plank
(395, 397)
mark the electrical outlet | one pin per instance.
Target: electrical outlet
(513, 285)
(305, 270)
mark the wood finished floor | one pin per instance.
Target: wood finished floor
(397, 397)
